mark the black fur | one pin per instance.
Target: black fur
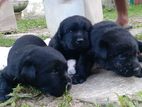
(72, 40)
(114, 48)
(31, 62)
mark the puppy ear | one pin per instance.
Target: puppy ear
(56, 40)
(28, 72)
(60, 31)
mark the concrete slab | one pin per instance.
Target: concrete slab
(103, 87)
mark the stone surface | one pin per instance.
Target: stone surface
(3, 56)
(135, 32)
(37, 32)
(104, 85)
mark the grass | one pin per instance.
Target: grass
(66, 100)
(139, 36)
(6, 41)
(133, 11)
(23, 93)
(18, 93)
(25, 25)
(125, 101)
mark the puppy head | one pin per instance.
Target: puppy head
(48, 76)
(126, 63)
(118, 52)
(73, 33)
(56, 81)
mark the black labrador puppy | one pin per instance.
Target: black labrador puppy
(31, 62)
(114, 48)
(72, 40)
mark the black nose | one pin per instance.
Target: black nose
(138, 71)
(79, 40)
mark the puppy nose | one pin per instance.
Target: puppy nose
(79, 40)
(138, 71)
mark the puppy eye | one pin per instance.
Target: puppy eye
(121, 57)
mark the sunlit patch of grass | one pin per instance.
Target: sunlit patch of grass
(24, 25)
(18, 93)
(66, 100)
(139, 36)
(6, 41)
(133, 11)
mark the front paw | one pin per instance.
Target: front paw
(76, 79)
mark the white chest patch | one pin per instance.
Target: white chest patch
(71, 66)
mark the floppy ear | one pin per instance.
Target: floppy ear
(56, 40)
(101, 50)
(28, 72)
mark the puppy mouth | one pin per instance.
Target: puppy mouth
(128, 71)
(83, 45)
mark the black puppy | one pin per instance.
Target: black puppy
(72, 40)
(31, 62)
(114, 48)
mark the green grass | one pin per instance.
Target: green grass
(24, 93)
(6, 41)
(25, 25)
(66, 100)
(139, 36)
(133, 11)
(20, 92)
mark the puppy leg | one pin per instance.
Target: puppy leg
(82, 71)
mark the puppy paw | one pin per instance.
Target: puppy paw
(76, 79)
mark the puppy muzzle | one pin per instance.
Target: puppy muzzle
(138, 71)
